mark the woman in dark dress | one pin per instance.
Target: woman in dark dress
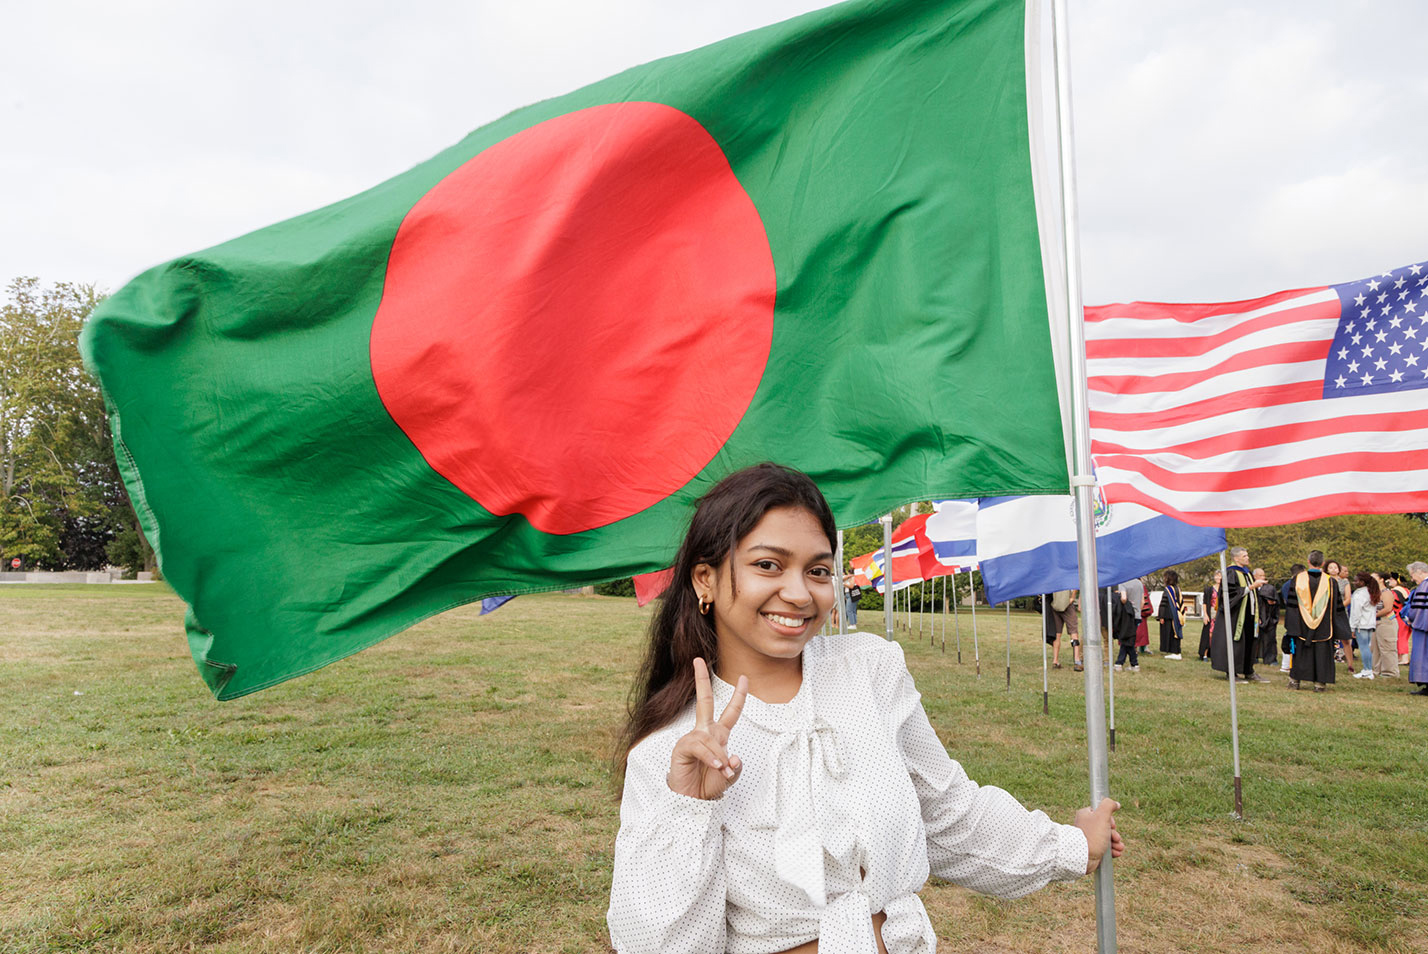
(1171, 616)
(1207, 615)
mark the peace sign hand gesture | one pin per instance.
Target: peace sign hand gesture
(701, 766)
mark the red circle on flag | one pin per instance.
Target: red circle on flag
(575, 320)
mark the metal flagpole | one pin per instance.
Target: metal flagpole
(1110, 670)
(1008, 606)
(1045, 680)
(841, 589)
(944, 614)
(921, 607)
(957, 620)
(1230, 673)
(1083, 480)
(886, 520)
(976, 648)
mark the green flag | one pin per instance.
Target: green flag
(517, 365)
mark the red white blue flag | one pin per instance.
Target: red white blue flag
(1298, 405)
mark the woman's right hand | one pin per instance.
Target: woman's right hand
(1099, 827)
(701, 766)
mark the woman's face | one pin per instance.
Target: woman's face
(772, 593)
(1332, 568)
(1217, 577)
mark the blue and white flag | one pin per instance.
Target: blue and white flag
(952, 529)
(1028, 544)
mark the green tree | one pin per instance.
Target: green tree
(61, 497)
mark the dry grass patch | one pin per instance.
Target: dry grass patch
(448, 790)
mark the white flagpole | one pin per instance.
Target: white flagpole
(1007, 604)
(957, 620)
(1045, 680)
(1083, 480)
(976, 648)
(944, 614)
(886, 520)
(841, 589)
(1110, 669)
(922, 606)
(1230, 672)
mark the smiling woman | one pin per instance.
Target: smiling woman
(850, 800)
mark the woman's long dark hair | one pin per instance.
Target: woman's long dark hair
(679, 632)
(1363, 578)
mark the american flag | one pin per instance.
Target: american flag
(1302, 404)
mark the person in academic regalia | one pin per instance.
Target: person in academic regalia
(1416, 613)
(1171, 616)
(1267, 594)
(1243, 619)
(1208, 609)
(1122, 624)
(1322, 619)
(1291, 619)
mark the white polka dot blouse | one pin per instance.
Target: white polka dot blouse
(846, 803)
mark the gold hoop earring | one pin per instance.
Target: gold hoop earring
(704, 606)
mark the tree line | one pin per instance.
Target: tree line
(63, 505)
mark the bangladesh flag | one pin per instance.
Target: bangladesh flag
(516, 366)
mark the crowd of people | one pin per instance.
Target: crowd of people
(1374, 623)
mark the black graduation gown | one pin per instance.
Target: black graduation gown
(1268, 596)
(1239, 592)
(1314, 647)
(1291, 618)
(1124, 619)
(1170, 631)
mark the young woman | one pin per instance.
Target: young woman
(782, 790)
(1172, 617)
(1384, 648)
(1363, 616)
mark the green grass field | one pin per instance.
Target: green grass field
(448, 790)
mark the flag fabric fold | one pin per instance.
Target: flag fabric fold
(1298, 405)
(517, 365)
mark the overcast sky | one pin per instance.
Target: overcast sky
(1225, 149)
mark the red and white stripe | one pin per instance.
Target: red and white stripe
(1215, 414)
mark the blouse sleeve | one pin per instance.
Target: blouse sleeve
(979, 837)
(667, 893)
